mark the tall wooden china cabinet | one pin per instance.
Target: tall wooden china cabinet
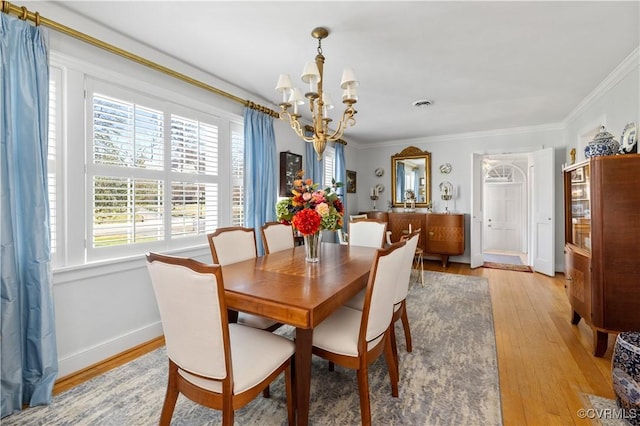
(602, 244)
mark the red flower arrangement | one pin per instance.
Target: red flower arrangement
(307, 221)
(311, 210)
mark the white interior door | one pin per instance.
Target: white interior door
(476, 211)
(544, 211)
(503, 216)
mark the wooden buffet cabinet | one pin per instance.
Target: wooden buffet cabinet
(602, 244)
(441, 234)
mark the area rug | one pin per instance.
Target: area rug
(603, 411)
(450, 378)
(508, 267)
(502, 258)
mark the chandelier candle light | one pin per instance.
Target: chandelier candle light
(319, 101)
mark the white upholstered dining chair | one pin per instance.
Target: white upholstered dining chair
(402, 280)
(235, 244)
(355, 338)
(213, 363)
(277, 236)
(402, 290)
(343, 237)
(367, 233)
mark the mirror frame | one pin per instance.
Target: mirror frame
(412, 152)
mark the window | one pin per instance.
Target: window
(127, 140)
(237, 175)
(153, 171)
(147, 168)
(194, 151)
(329, 161)
(55, 111)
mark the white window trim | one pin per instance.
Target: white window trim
(71, 165)
(167, 176)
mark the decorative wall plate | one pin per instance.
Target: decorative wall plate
(629, 138)
(380, 188)
(379, 172)
(445, 168)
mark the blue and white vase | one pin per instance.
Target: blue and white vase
(602, 144)
(625, 366)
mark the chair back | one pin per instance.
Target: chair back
(404, 275)
(277, 236)
(232, 244)
(355, 217)
(367, 233)
(343, 237)
(378, 303)
(190, 297)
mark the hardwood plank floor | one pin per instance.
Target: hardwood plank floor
(545, 363)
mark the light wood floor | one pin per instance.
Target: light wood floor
(545, 364)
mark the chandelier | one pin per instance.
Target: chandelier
(319, 101)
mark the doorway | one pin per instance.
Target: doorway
(505, 190)
(538, 182)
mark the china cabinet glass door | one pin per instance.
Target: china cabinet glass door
(580, 207)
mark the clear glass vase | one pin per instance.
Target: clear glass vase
(312, 247)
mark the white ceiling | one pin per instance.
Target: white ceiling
(486, 65)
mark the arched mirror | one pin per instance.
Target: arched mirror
(411, 176)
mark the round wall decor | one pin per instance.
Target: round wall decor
(445, 168)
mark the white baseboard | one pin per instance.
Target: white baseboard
(80, 360)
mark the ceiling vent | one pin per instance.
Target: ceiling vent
(422, 103)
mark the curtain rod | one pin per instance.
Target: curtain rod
(24, 14)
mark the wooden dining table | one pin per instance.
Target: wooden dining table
(284, 287)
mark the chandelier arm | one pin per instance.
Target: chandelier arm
(295, 124)
(298, 128)
(348, 120)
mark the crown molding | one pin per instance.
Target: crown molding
(621, 71)
(471, 135)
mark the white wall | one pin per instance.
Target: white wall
(614, 103)
(457, 150)
(106, 308)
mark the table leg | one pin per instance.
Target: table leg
(304, 340)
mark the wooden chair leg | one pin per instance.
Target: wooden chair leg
(391, 365)
(288, 382)
(265, 392)
(405, 325)
(332, 366)
(227, 418)
(394, 346)
(363, 390)
(171, 396)
(227, 408)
